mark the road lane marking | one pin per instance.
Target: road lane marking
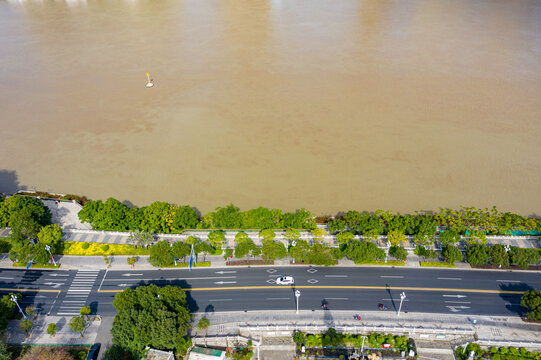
(457, 296)
(104, 276)
(278, 299)
(457, 302)
(7, 278)
(406, 299)
(442, 278)
(351, 287)
(336, 276)
(509, 281)
(221, 300)
(226, 272)
(392, 276)
(336, 299)
(130, 274)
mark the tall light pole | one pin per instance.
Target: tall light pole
(297, 295)
(14, 299)
(402, 297)
(48, 248)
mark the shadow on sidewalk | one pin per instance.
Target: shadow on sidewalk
(513, 300)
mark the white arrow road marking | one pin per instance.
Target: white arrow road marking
(455, 308)
(58, 274)
(123, 285)
(55, 285)
(457, 296)
(132, 274)
(449, 278)
(225, 282)
(458, 302)
(392, 276)
(226, 272)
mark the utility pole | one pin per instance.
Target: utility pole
(297, 295)
(402, 297)
(14, 299)
(48, 248)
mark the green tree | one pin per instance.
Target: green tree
(267, 234)
(39, 254)
(273, 250)
(78, 324)
(192, 240)
(498, 255)
(26, 326)
(298, 337)
(152, 316)
(161, 254)
(477, 237)
(321, 254)
(51, 329)
(185, 218)
(362, 252)
(426, 253)
(85, 311)
(216, 238)
(524, 257)
(452, 254)
(292, 235)
(244, 247)
(158, 217)
(227, 218)
(181, 249)
(395, 237)
(50, 235)
(14, 206)
(449, 237)
(301, 251)
(318, 234)
(532, 301)
(141, 238)
(477, 254)
(30, 311)
(336, 226)
(203, 324)
(203, 248)
(398, 252)
(4, 353)
(344, 237)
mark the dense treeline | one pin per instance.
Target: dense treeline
(31, 229)
(165, 218)
(162, 217)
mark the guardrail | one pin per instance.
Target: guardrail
(356, 329)
(509, 343)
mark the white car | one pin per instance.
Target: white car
(285, 280)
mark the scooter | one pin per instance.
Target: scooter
(357, 317)
(382, 307)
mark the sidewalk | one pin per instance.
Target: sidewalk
(420, 325)
(64, 334)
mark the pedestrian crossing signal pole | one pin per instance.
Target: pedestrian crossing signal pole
(48, 248)
(297, 295)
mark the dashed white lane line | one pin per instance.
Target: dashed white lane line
(278, 299)
(458, 302)
(445, 278)
(336, 276)
(392, 276)
(221, 300)
(336, 299)
(509, 281)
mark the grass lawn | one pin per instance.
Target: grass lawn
(46, 266)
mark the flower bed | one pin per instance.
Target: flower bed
(97, 249)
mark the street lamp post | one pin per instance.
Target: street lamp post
(48, 248)
(387, 251)
(14, 299)
(297, 295)
(402, 297)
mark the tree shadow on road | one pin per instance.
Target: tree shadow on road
(512, 300)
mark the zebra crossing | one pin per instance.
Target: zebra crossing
(78, 292)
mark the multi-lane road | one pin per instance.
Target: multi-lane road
(58, 292)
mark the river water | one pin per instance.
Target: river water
(329, 105)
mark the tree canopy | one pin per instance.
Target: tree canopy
(152, 316)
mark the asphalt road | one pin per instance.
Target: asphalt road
(58, 292)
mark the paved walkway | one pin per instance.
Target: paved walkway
(64, 334)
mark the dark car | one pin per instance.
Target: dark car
(93, 352)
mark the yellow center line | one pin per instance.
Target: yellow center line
(345, 287)
(29, 290)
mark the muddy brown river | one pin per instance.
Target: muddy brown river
(329, 105)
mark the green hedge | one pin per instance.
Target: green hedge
(436, 264)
